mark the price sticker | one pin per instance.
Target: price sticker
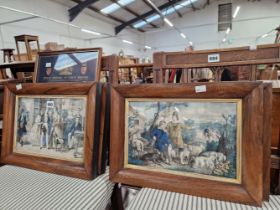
(200, 88)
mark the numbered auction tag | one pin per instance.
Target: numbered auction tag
(200, 88)
(212, 58)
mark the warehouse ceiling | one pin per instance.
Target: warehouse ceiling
(140, 15)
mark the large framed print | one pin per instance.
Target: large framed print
(80, 65)
(50, 129)
(173, 138)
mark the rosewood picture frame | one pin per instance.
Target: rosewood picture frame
(85, 169)
(91, 73)
(249, 191)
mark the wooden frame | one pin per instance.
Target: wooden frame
(76, 77)
(250, 191)
(88, 167)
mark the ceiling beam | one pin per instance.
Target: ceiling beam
(92, 8)
(178, 13)
(119, 28)
(76, 10)
(132, 12)
(145, 1)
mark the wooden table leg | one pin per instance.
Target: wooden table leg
(18, 51)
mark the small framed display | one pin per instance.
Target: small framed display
(82, 65)
(47, 128)
(206, 143)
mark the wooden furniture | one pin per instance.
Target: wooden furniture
(19, 66)
(27, 39)
(240, 56)
(109, 69)
(8, 53)
(143, 70)
(18, 70)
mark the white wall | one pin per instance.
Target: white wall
(49, 31)
(201, 27)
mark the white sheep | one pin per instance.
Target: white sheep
(202, 162)
(217, 156)
(137, 146)
(195, 150)
(185, 155)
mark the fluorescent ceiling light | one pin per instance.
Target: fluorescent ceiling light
(139, 24)
(153, 18)
(148, 47)
(115, 6)
(90, 32)
(168, 22)
(236, 11)
(128, 42)
(265, 35)
(183, 35)
(228, 30)
(190, 43)
(169, 11)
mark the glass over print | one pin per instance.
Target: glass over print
(191, 137)
(68, 66)
(50, 126)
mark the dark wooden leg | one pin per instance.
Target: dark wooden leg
(116, 199)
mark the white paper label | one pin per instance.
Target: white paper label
(18, 86)
(200, 88)
(48, 65)
(50, 104)
(212, 58)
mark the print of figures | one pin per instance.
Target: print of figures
(51, 127)
(196, 137)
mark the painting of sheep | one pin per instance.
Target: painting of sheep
(190, 136)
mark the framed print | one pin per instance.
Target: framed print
(172, 138)
(81, 65)
(50, 129)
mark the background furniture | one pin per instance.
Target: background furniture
(27, 39)
(240, 56)
(142, 72)
(18, 68)
(8, 53)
